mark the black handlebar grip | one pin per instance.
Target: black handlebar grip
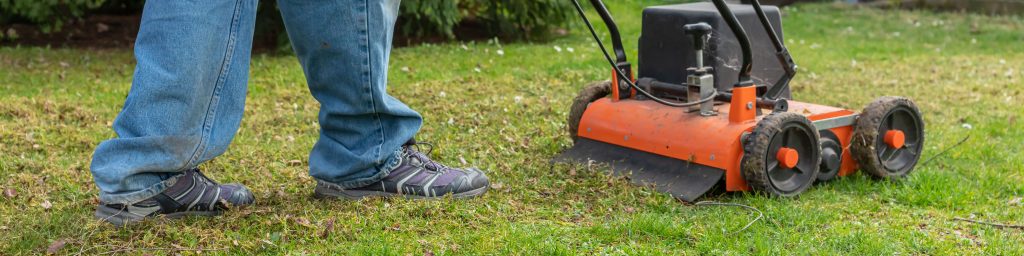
(699, 31)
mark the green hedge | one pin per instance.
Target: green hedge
(512, 19)
(49, 14)
(429, 17)
(518, 19)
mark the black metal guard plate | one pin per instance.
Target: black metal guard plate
(682, 179)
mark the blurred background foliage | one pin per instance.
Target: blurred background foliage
(114, 23)
(419, 21)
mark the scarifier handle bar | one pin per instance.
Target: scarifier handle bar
(780, 52)
(741, 35)
(620, 52)
(723, 9)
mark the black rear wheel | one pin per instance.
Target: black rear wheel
(781, 157)
(888, 137)
(589, 94)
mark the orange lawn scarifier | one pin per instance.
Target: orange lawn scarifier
(684, 126)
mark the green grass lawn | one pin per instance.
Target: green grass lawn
(506, 113)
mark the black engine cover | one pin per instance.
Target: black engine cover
(666, 51)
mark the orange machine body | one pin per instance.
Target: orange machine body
(714, 141)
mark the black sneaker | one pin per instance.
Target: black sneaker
(192, 194)
(416, 177)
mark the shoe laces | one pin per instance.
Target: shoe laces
(414, 149)
(205, 179)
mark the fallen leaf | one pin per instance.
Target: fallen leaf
(328, 226)
(630, 209)
(497, 185)
(268, 242)
(46, 204)
(55, 246)
(294, 162)
(1015, 201)
(302, 221)
(428, 253)
(10, 193)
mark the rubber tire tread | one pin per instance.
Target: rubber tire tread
(590, 93)
(755, 147)
(865, 132)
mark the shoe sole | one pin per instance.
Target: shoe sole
(322, 192)
(120, 217)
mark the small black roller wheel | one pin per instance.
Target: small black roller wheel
(888, 137)
(831, 156)
(781, 157)
(589, 94)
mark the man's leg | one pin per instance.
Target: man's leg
(343, 46)
(186, 100)
(365, 134)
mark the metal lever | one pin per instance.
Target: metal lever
(699, 32)
(700, 82)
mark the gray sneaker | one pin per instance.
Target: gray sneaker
(416, 177)
(192, 194)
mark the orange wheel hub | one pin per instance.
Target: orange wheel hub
(895, 138)
(788, 157)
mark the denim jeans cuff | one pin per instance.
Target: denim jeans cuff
(385, 169)
(138, 196)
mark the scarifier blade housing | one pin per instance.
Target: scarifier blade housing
(681, 179)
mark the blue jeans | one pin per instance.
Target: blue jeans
(189, 87)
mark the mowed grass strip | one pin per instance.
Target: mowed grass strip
(506, 113)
